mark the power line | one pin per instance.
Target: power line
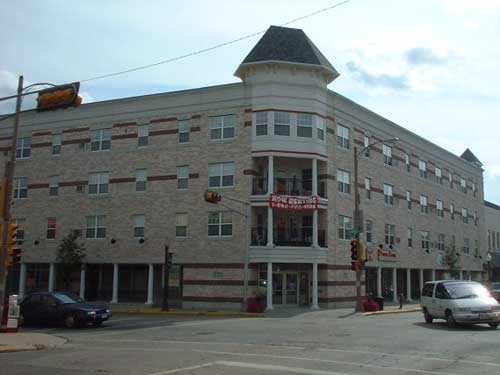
(211, 48)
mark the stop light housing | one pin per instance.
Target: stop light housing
(212, 196)
(354, 255)
(13, 249)
(362, 252)
(62, 96)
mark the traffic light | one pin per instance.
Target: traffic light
(13, 250)
(62, 96)
(354, 255)
(212, 196)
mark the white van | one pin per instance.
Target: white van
(459, 301)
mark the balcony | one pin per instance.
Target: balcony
(288, 186)
(300, 237)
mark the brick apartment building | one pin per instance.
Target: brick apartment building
(129, 175)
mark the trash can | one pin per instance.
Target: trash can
(380, 302)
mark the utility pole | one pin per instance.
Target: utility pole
(166, 275)
(7, 197)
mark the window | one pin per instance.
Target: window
(23, 148)
(51, 228)
(366, 143)
(450, 178)
(142, 136)
(184, 130)
(182, 177)
(463, 186)
(453, 242)
(422, 169)
(390, 231)
(425, 239)
(423, 204)
(221, 174)
(466, 247)
(465, 215)
(368, 187)
(304, 125)
(369, 231)
(439, 208)
(281, 123)
(95, 227)
(56, 144)
(140, 179)
(181, 222)
(222, 127)
(261, 123)
(53, 185)
(489, 239)
(407, 162)
(410, 237)
(139, 224)
(408, 199)
(343, 136)
(440, 244)
(100, 140)
(320, 126)
(98, 183)
(452, 212)
(387, 151)
(388, 197)
(476, 218)
(439, 177)
(343, 179)
(21, 223)
(220, 224)
(345, 227)
(20, 187)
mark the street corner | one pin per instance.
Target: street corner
(15, 342)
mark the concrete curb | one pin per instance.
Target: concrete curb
(21, 348)
(229, 314)
(387, 312)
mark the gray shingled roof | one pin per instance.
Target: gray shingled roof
(286, 44)
(469, 156)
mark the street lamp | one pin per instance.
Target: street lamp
(357, 216)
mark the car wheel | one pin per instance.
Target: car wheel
(450, 320)
(428, 318)
(70, 321)
(493, 325)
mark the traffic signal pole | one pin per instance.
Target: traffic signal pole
(357, 228)
(7, 197)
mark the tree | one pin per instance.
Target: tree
(452, 261)
(69, 256)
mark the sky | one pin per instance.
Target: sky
(431, 66)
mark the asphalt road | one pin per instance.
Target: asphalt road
(315, 343)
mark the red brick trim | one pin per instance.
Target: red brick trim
(40, 145)
(121, 180)
(195, 129)
(290, 111)
(162, 132)
(124, 136)
(124, 124)
(212, 299)
(5, 138)
(75, 130)
(248, 110)
(158, 120)
(213, 282)
(214, 265)
(72, 183)
(290, 152)
(76, 141)
(4, 149)
(161, 178)
(41, 134)
(38, 186)
(335, 267)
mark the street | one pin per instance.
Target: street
(324, 342)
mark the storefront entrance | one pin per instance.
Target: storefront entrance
(290, 288)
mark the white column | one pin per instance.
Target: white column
(83, 275)
(421, 279)
(433, 275)
(22, 280)
(315, 229)
(379, 282)
(395, 284)
(114, 299)
(314, 177)
(150, 285)
(269, 294)
(270, 189)
(314, 305)
(408, 285)
(52, 276)
(461, 275)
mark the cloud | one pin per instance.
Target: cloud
(424, 56)
(396, 82)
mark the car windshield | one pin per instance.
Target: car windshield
(68, 298)
(466, 290)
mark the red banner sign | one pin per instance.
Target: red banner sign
(293, 203)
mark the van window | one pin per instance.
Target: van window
(441, 292)
(427, 291)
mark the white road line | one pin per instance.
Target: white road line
(182, 369)
(356, 364)
(278, 368)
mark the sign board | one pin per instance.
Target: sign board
(386, 255)
(281, 202)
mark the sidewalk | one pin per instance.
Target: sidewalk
(14, 342)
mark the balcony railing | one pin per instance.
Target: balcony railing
(300, 237)
(288, 186)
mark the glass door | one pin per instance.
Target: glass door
(278, 288)
(291, 288)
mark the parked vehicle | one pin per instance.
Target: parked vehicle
(459, 301)
(495, 290)
(61, 308)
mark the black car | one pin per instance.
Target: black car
(61, 307)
